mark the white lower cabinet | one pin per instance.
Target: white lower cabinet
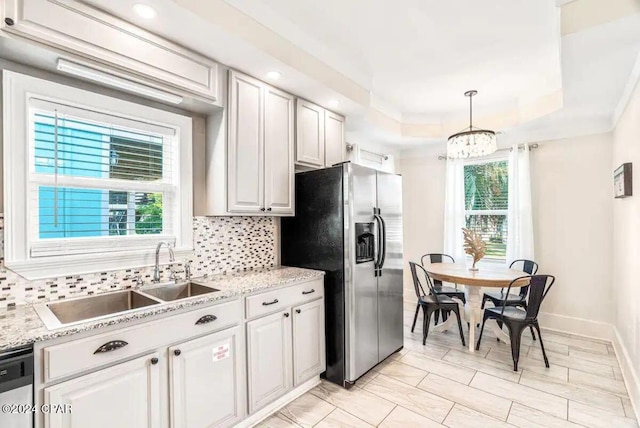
(206, 381)
(198, 369)
(284, 350)
(125, 395)
(269, 355)
(308, 341)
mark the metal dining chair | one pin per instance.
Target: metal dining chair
(431, 302)
(437, 284)
(498, 298)
(517, 319)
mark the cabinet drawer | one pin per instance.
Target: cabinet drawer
(272, 301)
(207, 319)
(95, 351)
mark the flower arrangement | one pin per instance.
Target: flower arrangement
(474, 246)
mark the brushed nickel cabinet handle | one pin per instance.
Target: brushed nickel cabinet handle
(111, 346)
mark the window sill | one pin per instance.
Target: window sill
(82, 264)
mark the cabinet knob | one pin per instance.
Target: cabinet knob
(286, 314)
(261, 209)
(154, 361)
(269, 209)
(177, 352)
(298, 311)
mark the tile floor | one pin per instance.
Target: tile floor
(443, 385)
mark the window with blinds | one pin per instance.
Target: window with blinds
(92, 182)
(486, 188)
(96, 178)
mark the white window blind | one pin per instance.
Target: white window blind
(97, 181)
(486, 203)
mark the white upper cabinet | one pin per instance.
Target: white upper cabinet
(309, 134)
(278, 152)
(259, 156)
(245, 175)
(319, 136)
(334, 150)
(90, 33)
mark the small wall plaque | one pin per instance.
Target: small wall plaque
(623, 181)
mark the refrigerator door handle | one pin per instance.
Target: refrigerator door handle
(378, 257)
(383, 256)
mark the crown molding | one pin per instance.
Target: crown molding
(580, 15)
(627, 93)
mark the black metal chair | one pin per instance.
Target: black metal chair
(431, 302)
(517, 319)
(498, 298)
(437, 284)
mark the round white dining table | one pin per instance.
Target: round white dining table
(487, 276)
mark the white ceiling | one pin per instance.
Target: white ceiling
(409, 61)
(420, 56)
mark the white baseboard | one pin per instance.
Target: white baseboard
(577, 326)
(279, 403)
(629, 374)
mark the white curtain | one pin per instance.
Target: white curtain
(519, 218)
(454, 210)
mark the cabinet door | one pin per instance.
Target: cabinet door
(334, 148)
(245, 162)
(278, 151)
(308, 341)
(86, 31)
(309, 134)
(207, 382)
(269, 354)
(125, 395)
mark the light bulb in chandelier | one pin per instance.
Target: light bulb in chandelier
(471, 142)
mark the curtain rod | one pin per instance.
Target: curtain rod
(382, 155)
(531, 147)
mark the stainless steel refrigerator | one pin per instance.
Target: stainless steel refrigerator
(348, 223)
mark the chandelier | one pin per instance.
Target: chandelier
(471, 142)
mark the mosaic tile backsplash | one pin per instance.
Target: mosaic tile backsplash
(222, 244)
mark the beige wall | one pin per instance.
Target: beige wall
(626, 251)
(572, 197)
(423, 209)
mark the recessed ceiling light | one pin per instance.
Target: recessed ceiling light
(334, 103)
(144, 11)
(274, 75)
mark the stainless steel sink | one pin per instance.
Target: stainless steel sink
(177, 291)
(64, 312)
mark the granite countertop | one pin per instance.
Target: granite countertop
(22, 326)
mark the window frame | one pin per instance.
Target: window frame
(133, 251)
(496, 157)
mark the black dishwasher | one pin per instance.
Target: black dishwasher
(16, 388)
